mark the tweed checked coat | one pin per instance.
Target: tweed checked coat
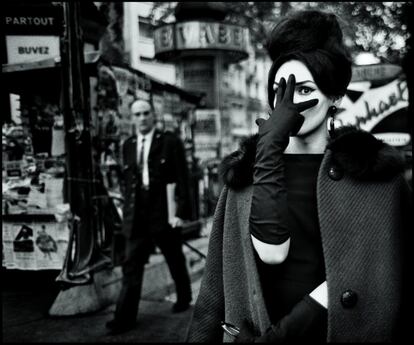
(363, 207)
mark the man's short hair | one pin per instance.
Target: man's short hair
(138, 103)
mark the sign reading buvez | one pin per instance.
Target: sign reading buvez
(31, 48)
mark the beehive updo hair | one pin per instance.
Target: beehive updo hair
(314, 38)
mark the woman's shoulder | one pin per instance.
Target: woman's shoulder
(364, 157)
(236, 169)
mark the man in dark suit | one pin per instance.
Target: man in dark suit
(151, 160)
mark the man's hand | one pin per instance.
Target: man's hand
(176, 222)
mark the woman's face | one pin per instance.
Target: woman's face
(305, 89)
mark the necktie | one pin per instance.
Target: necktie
(141, 158)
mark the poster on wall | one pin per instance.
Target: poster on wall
(34, 245)
(207, 131)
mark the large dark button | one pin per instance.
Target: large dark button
(349, 298)
(335, 173)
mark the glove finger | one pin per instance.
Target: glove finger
(298, 124)
(290, 88)
(280, 90)
(306, 105)
(260, 121)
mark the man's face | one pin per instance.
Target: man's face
(142, 116)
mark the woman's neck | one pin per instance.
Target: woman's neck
(313, 143)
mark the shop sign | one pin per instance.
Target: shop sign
(31, 32)
(31, 48)
(375, 72)
(32, 20)
(200, 35)
(374, 105)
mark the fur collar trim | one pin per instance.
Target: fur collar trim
(358, 152)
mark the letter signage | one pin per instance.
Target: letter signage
(31, 48)
(31, 32)
(375, 72)
(198, 35)
(374, 105)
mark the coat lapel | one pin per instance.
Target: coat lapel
(131, 150)
(156, 143)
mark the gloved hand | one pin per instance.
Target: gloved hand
(269, 205)
(305, 317)
(247, 334)
(285, 119)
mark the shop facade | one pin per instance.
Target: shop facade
(39, 230)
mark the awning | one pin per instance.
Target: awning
(42, 75)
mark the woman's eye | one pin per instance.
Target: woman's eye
(304, 90)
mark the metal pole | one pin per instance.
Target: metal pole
(80, 172)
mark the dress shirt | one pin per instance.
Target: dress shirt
(147, 146)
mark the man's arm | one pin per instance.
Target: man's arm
(181, 177)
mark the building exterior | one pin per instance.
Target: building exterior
(243, 84)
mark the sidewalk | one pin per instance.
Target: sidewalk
(26, 305)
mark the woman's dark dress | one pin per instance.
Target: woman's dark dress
(303, 270)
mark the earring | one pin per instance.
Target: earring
(331, 126)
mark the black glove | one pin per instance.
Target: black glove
(306, 317)
(269, 205)
(247, 334)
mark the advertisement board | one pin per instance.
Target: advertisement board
(207, 133)
(34, 245)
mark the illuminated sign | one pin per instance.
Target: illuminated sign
(197, 35)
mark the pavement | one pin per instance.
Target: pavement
(29, 295)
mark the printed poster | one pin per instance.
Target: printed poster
(34, 246)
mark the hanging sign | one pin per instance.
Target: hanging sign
(31, 32)
(31, 48)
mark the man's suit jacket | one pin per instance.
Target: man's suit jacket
(166, 164)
